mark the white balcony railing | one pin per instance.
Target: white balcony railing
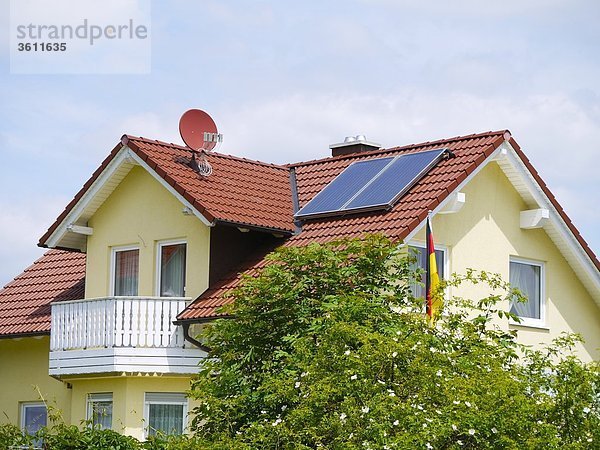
(120, 335)
(140, 322)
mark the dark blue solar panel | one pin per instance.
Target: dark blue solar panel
(345, 186)
(395, 180)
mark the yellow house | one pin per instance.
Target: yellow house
(101, 328)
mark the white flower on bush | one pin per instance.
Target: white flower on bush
(354, 377)
(365, 409)
(471, 431)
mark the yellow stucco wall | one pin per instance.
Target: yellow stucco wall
(128, 398)
(142, 212)
(24, 370)
(486, 232)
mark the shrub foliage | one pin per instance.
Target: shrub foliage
(329, 349)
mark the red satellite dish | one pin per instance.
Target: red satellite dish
(198, 130)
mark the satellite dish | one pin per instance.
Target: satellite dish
(199, 131)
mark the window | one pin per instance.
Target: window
(165, 413)
(33, 417)
(99, 410)
(420, 254)
(528, 277)
(171, 269)
(126, 271)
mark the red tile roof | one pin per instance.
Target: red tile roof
(25, 301)
(411, 210)
(240, 191)
(405, 215)
(258, 194)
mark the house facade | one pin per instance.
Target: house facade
(102, 327)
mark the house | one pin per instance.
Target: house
(102, 326)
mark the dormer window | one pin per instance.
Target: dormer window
(171, 269)
(126, 271)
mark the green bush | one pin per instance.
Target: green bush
(328, 349)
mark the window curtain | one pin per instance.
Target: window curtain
(172, 271)
(526, 278)
(126, 272)
(420, 254)
(167, 419)
(102, 414)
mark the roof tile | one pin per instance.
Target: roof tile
(25, 301)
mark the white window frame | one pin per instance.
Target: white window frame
(24, 406)
(528, 321)
(445, 256)
(113, 264)
(158, 271)
(98, 397)
(166, 401)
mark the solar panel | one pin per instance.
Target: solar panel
(343, 187)
(371, 185)
(397, 178)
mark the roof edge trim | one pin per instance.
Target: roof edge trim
(122, 157)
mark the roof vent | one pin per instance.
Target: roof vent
(353, 144)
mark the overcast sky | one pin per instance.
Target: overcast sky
(284, 79)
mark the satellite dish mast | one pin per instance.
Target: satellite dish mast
(199, 132)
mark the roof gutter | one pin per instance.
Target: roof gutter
(25, 335)
(253, 227)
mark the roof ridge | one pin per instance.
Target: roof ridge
(399, 148)
(217, 154)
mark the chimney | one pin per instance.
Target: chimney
(353, 144)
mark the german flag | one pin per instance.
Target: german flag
(432, 280)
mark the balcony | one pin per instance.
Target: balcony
(120, 335)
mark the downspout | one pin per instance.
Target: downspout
(190, 339)
(295, 202)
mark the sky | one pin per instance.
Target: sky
(285, 79)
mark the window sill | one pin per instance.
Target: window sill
(526, 324)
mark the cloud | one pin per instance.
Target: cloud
(21, 224)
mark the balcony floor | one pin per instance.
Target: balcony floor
(179, 361)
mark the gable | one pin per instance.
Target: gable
(140, 213)
(486, 233)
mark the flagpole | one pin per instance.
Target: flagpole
(428, 265)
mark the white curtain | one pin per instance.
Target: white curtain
(172, 270)
(126, 272)
(102, 414)
(167, 419)
(526, 278)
